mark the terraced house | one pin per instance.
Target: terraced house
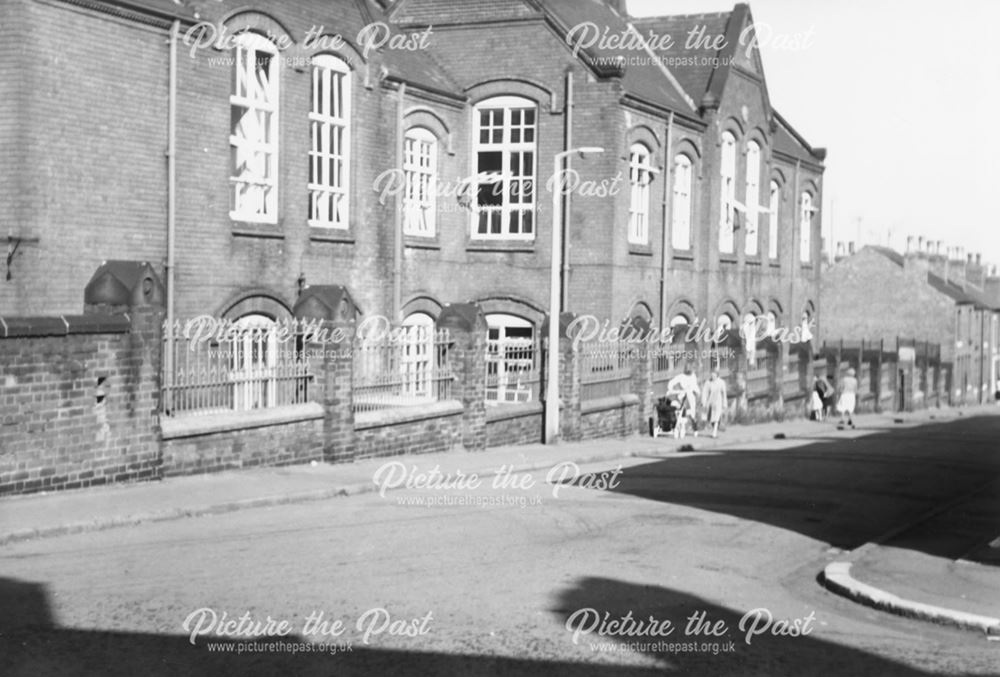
(406, 153)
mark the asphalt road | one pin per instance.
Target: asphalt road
(521, 582)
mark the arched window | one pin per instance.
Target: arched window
(420, 172)
(727, 219)
(512, 363)
(805, 228)
(504, 149)
(752, 197)
(639, 177)
(417, 357)
(253, 135)
(330, 143)
(772, 222)
(254, 363)
(681, 211)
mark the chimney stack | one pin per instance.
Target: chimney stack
(850, 247)
(909, 244)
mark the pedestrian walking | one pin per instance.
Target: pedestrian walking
(714, 401)
(684, 388)
(848, 398)
(820, 399)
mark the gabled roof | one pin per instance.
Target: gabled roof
(643, 78)
(887, 252)
(693, 67)
(444, 12)
(790, 142)
(952, 291)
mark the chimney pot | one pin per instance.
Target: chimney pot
(909, 244)
(979, 259)
(968, 258)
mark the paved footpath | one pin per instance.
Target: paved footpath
(963, 592)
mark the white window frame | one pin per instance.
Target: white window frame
(774, 204)
(416, 362)
(680, 236)
(805, 228)
(329, 181)
(509, 387)
(254, 362)
(640, 176)
(509, 149)
(727, 216)
(254, 139)
(420, 182)
(752, 200)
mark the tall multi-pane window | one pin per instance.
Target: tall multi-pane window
(805, 254)
(420, 171)
(330, 143)
(681, 209)
(727, 218)
(253, 133)
(504, 150)
(752, 198)
(772, 219)
(417, 355)
(640, 174)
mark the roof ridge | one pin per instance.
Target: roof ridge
(660, 17)
(663, 69)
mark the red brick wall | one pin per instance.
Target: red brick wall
(79, 410)
(88, 168)
(279, 444)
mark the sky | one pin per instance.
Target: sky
(905, 96)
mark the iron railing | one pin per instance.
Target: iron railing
(513, 370)
(406, 368)
(252, 365)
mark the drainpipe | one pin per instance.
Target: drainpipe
(667, 221)
(168, 358)
(568, 197)
(397, 249)
(796, 264)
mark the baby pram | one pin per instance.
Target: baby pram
(668, 409)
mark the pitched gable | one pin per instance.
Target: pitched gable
(445, 12)
(692, 37)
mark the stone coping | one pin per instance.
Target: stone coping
(386, 417)
(505, 412)
(606, 403)
(207, 424)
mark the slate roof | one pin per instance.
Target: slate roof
(952, 291)
(693, 77)
(887, 252)
(643, 78)
(790, 142)
(436, 12)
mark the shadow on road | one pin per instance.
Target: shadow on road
(32, 644)
(841, 491)
(766, 655)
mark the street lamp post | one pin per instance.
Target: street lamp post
(552, 380)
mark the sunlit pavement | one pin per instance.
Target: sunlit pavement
(508, 574)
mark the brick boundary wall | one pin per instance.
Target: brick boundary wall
(514, 424)
(78, 401)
